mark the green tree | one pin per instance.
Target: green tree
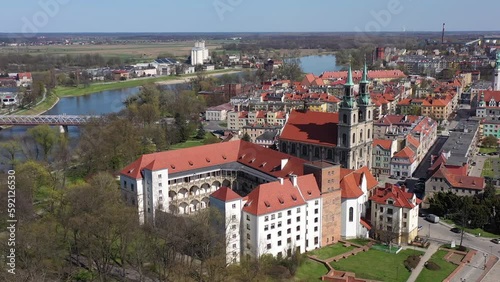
(290, 69)
(200, 134)
(490, 141)
(9, 151)
(45, 137)
(246, 137)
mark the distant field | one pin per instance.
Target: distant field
(137, 50)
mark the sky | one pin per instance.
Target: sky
(38, 16)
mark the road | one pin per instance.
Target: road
(478, 168)
(441, 233)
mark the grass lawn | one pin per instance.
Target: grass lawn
(310, 270)
(330, 251)
(437, 275)
(62, 91)
(487, 168)
(359, 241)
(192, 142)
(486, 150)
(377, 265)
(49, 102)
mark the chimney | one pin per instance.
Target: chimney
(280, 180)
(283, 163)
(293, 179)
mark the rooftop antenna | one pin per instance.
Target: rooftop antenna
(442, 34)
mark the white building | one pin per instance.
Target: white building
(394, 214)
(496, 82)
(282, 217)
(199, 53)
(356, 186)
(230, 204)
(218, 113)
(181, 181)
(404, 163)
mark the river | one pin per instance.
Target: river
(111, 101)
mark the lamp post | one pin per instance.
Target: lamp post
(485, 256)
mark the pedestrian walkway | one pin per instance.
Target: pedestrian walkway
(433, 247)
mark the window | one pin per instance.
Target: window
(316, 211)
(248, 226)
(405, 215)
(273, 216)
(381, 209)
(279, 224)
(315, 228)
(315, 219)
(298, 218)
(298, 227)
(279, 215)
(288, 221)
(298, 210)
(234, 236)
(266, 227)
(132, 187)
(248, 217)
(272, 225)
(268, 246)
(316, 202)
(248, 236)
(351, 214)
(316, 240)
(234, 246)
(289, 212)
(289, 230)
(266, 218)
(298, 237)
(279, 243)
(159, 184)
(233, 216)
(289, 240)
(124, 184)
(234, 206)
(389, 211)
(279, 233)
(268, 236)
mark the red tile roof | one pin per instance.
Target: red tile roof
(413, 141)
(365, 224)
(406, 153)
(460, 181)
(311, 127)
(384, 144)
(225, 194)
(373, 74)
(274, 196)
(400, 197)
(265, 160)
(350, 182)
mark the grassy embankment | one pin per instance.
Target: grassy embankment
(62, 91)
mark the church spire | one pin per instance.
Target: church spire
(365, 74)
(349, 77)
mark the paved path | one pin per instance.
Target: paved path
(433, 247)
(472, 271)
(494, 273)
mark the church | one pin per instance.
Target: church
(344, 137)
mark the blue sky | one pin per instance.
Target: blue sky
(247, 15)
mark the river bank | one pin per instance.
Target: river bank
(62, 91)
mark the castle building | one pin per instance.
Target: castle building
(345, 137)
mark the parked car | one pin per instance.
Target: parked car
(420, 227)
(432, 218)
(496, 240)
(456, 230)
(473, 163)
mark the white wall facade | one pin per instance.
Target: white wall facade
(352, 227)
(278, 233)
(232, 218)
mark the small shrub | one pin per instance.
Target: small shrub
(411, 262)
(432, 265)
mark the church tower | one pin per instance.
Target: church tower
(496, 82)
(348, 126)
(365, 121)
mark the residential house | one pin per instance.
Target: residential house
(404, 163)
(383, 151)
(394, 214)
(218, 113)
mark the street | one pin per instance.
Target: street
(441, 233)
(478, 168)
